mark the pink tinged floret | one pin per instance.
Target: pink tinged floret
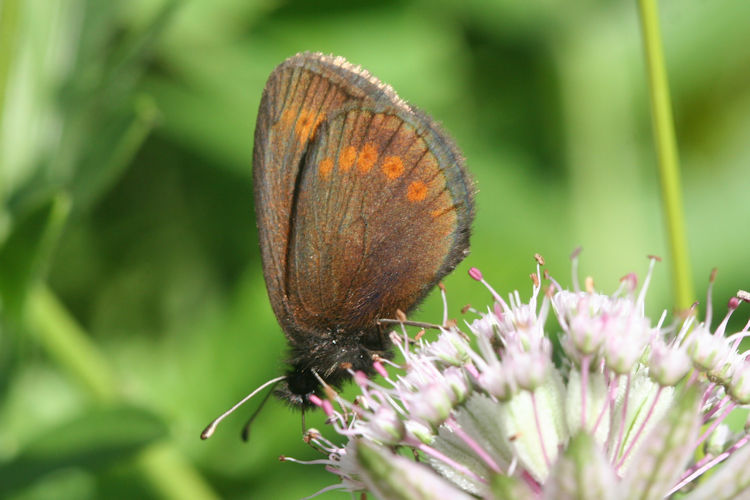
(385, 426)
(431, 404)
(455, 379)
(739, 388)
(587, 333)
(529, 368)
(706, 350)
(449, 348)
(668, 364)
(496, 382)
(484, 326)
(623, 347)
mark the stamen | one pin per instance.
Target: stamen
(641, 301)
(378, 366)
(477, 275)
(445, 303)
(709, 292)
(320, 461)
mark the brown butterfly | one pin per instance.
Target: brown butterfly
(363, 204)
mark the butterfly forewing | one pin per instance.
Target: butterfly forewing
(298, 97)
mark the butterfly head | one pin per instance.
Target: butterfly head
(316, 362)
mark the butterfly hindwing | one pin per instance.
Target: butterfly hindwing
(380, 215)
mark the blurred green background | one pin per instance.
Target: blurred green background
(132, 300)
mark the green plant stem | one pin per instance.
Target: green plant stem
(70, 347)
(68, 344)
(666, 146)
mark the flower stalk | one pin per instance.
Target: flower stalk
(666, 147)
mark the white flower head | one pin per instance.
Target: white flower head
(618, 408)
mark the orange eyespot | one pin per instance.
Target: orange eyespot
(367, 157)
(417, 191)
(393, 167)
(346, 160)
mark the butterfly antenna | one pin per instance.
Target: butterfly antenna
(208, 431)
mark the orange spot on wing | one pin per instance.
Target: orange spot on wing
(325, 167)
(346, 160)
(367, 157)
(417, 191)
(393, 167)
(307, 122)
(304, 124)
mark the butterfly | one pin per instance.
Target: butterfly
(363, 204)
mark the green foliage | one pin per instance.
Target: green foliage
(95, 440)
(129, 267)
